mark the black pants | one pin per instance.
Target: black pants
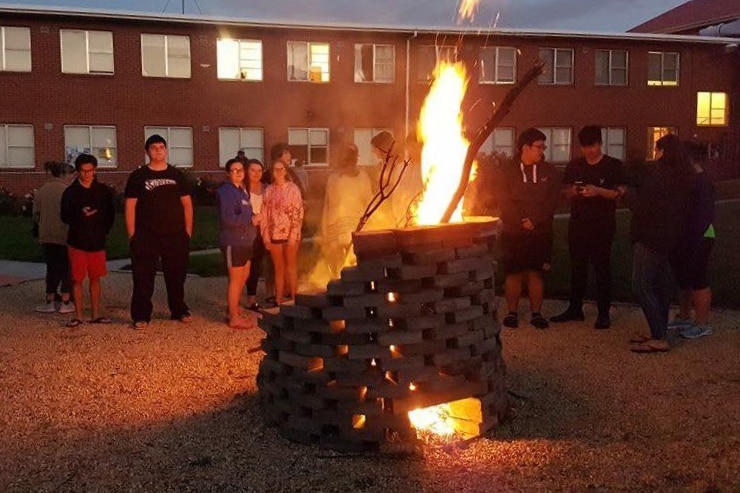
(146, 250)
(57, 268)
(258, 255)
(593, 248)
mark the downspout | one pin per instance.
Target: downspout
(408, 82)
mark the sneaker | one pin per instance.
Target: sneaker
(680, 323)
(602, 321)
(139, 325)
(539, 321)
(569, 315)
(696, 332)
(67, 307)
(511, 320)
(49, 307)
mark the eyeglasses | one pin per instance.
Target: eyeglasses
(83, 170)
(236, 170)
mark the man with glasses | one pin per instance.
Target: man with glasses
(159, 222)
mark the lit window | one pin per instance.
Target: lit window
(308, 61)
(179, 144)
(558, 144)
(233, 139)
(363, 136)
(239, 59)
(611, 67)
(100, 141)
(662, 68)
(86, 52)
(165, 56)
(558, 66)
(614, 142)
(711, 108)
(501, 141)
(309, 145)
(16, 146)
(653, 135)
(15, 49)
(497, 65)
(374, 63)
(428, 58)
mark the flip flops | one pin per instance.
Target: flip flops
(101, 320)
(639, 339)
(651, 346)
(75, 322)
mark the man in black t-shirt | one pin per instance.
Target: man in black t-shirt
(594, 183)
(159, 222)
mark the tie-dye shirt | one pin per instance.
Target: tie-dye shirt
(283, 213)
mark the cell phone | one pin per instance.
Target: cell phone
(580, 186)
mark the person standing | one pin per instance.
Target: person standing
(236, 234)
(528, 189)
(47, 205)
(594, 183)
(159, 222)
(661, 210)
(87, 207)
(256, 187)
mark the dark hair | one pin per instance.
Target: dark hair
(277, 150)
(351, 155)
(288, 176)
(231, 162)
(85, 159)
(154, 139)
(255, 161)
(529, 137)
(383, 141)
(56, 168)
(674, 152)
(590, 135)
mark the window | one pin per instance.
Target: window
(497, 65)
(16, 146)
(86, 52)
(233, 139)
(429, 56)
(558, 66)
(239, 59)
(308, 61)
(614, 142)
(611, 67)
(309, 145)
(501, 141)
(662, 69)
(653, 135)
(165, 56)
(100, 141)
(363, 136)
(558, 144)
(15, 49)
(374, 63)
(711, 108)
(179, 144)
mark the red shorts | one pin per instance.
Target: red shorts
(86, 264)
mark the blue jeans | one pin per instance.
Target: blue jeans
(652, 284)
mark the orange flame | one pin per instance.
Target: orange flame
(467, 9)
(445, 147)
(435, 419)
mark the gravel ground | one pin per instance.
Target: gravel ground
(173, 408)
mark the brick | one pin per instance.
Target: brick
(271, 319)
(386, 262)
(429, 257)
(448, 305)
(468, 339)
(461, 265)
(344, 365)
(409, 272)
(466, 289)
(442, 384)
(365, 325)
(416, 375)
(399, 337)
(491, 329)
(296, 336)
(368, 408)
(318, 376)
(400, 287)
(446, 331)
(274, 366)
(399, 310)
(336, 287)
(471, 368)
(451, 356)
(405, 363)
(417, 400)
(344, 339)
(482, 322)
(446, 281)
(485, 274)
(305, 424)
(485, 346)
(421, 296)
(465, 315)
(483, 296)
(479, 250)
(299, 436)
(368, 352)
(315, 326)
(334, 391)
(420, 323)
(313, 300)
(415, 238)
(315, 350)
(369, 272)
(302, 362)
(308, 401)
(367, 378)
(374, 244)
(277, 344)
(364, 301)
(343, 313)
(388, 390)
(425, 348)
(299, 312)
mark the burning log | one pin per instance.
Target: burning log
(501, 111)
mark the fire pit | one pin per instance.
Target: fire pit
(403, 345)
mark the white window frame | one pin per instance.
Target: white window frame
(103, 148)
(314, 60)
(612, 69)
(239, 59)
(379, 65)
(665, 80)
(231, 140)
(559, 144)
(715, 115)
(20, 47)
(502, 141)
(497, 68)
(311, 139)
(653, 135)
(550, 75)
(178, 154)
(16, 154)
(169, 56)
(614, 142)
(96, 56)
(425, 74)
(362, 138)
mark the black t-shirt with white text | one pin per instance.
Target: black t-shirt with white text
(159, 210)
(594, 213)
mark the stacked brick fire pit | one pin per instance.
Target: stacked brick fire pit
(411, 325)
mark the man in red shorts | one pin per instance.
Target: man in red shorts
(87, 207)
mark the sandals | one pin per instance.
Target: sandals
(639, 339)
(140, 325)
(101, 320)
(651, 346)
(75, 322)
(186, 318)
(255, 307)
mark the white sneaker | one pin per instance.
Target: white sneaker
(67, 307)
(49, 307)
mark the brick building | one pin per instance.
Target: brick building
(100, 82)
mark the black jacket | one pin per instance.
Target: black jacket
(519, 200)
(89, 212)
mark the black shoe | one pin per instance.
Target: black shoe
(602, 321)
(511, 320)
(539, 321)
(255, 307)
(571, 314)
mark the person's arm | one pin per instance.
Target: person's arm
(296, 218)
(187, 209)
(130, 216)
(110, 209)
(66, 209)
(265, 223)
(509, 212)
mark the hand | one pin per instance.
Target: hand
(527, 224)
(88, 211)
(590, 191)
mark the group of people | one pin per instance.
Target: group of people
(671, 232)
